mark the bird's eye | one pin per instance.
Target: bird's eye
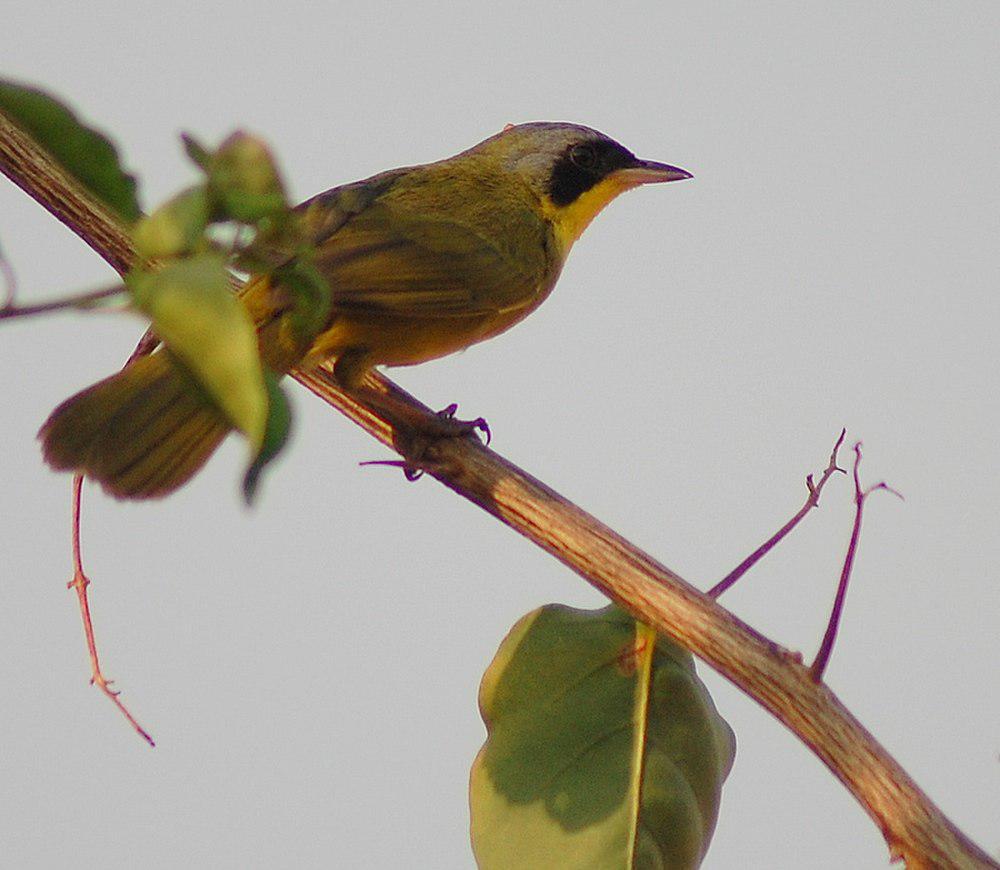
(583, 156)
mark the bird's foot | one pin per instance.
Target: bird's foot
(417, 435)
(454, 428)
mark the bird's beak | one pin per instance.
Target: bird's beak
(651, 172)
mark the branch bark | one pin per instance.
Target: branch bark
(914, 828)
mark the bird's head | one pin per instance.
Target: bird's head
(574, 171)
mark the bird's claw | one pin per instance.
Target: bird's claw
(414, 443)
(466, 427)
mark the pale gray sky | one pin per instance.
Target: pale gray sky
(310, 668)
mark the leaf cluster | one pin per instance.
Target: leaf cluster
(236, 218)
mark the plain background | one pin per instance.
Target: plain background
(310, 667)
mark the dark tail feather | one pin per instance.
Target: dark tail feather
(140, 433)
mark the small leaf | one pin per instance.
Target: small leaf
(82, 151)
(244, 162)
(311, 299)
(250, 207)
(200, 320)
(279, 419)
(605, 750)
(177, 227)
(244, 180)
(198, 153)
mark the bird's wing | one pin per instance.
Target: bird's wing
(393, 258)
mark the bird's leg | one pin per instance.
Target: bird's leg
(415, 431)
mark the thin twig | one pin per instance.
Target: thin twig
(80, 582)
(812, 500)
(81, 300)
(915, 829)
(817, 668)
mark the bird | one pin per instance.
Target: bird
(422, 261)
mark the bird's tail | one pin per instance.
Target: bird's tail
(140, 433)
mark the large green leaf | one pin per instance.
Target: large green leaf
(205, 325)
(85, 153)
(604, 750)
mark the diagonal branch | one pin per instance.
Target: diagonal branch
(914, 828)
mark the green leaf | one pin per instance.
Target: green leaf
(177, 227)
(198, 153)
(279, 419)
(84, 152)
(311, 298)
(604, 749)
(206, 326)
(243, 178)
